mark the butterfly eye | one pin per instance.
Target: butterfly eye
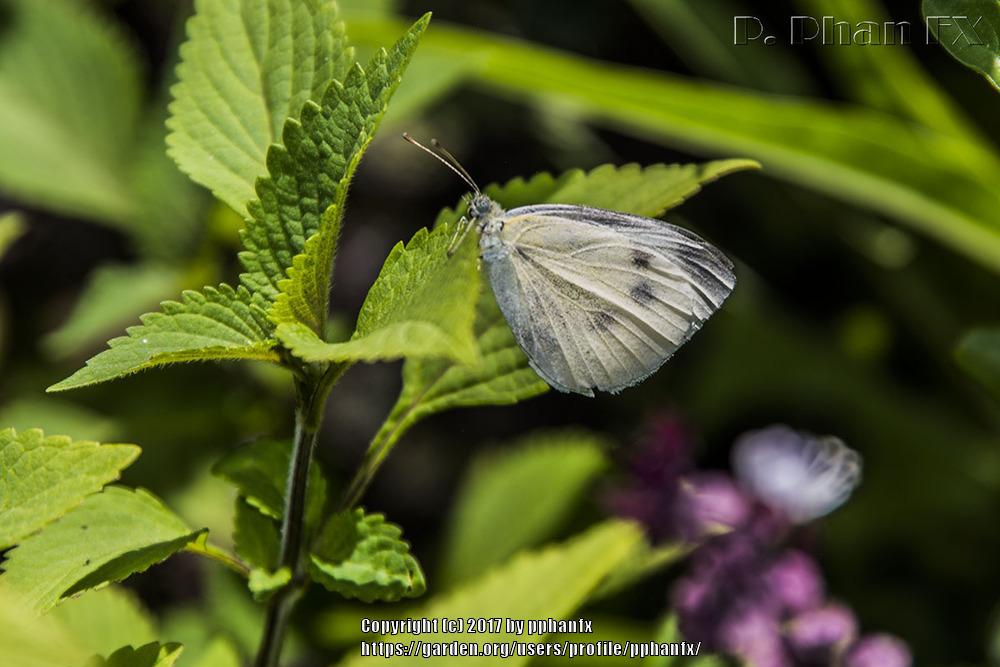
(798, 474)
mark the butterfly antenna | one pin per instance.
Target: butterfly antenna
(450, 163)
(444, 152)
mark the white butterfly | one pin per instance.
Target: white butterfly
(799, 474)
(598, 300)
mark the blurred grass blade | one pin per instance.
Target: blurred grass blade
(970, 31)
(885, 75)
(701, 33)
(939, 183)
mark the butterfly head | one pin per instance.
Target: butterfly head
(482, 208)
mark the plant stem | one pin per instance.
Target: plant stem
(310, 399)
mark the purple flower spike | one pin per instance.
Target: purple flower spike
(710, 503)
(752, 633)
(815, 636)
(796, 582)
(800, 475)
(878, 651)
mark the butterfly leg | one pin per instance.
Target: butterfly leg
(460, 231)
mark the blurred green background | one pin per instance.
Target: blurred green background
(867, 248)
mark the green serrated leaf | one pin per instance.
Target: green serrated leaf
(108, 537)
(114, 295)
(310, 172)
(260, 471)
(255, 536)
(70, 86)
(363, 556)
(978, 353)
(214, 324)
(516, 497)
(150, 655)
(41, 478)
(246, 67)
(551, 583)
(421, 305)
(263, 583)
(103, 620)
(970, 31)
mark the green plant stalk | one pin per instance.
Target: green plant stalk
(311, 391)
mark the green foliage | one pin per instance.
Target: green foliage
(646, 559)
(70, 87)
(27, 640)
(106, 538)
(978, 354)
(11, 228)
(940, 183)
(150, 655)
(54, 415)
(41, 478)
(263, 583)
(259, 471)
(886, 76)
(311, 171)
(274, 56)
(551, 583)
(220, 653)
(214, 324)
(255, 536)
(421, 305)
(363, 556)
(518, 497)
(104, 620)
(114, 295)
(974, 43)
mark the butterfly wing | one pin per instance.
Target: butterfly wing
(599, 299)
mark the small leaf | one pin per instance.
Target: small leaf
(214, 324)
(150, 655)
(43, 477)
(263, 583)
(516, 497)
(970, 31)
(551, 583)
(978, 353)
(421, 305)
(363, 556)
(108, 537)
(309, 173)
(260, 471)
(256, 536)
(246, 67)
(103, 620)
(114, 296)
